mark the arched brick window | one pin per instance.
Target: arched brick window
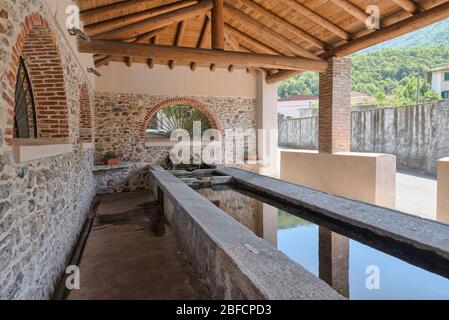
(85, 124)
(177, 113)
(36, 47)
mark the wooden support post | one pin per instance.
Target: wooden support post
(218, 40)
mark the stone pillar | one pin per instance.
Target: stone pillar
(335, 107)
(266, 109)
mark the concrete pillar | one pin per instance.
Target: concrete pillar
(266, 109)
(443, 191)
(334, 130)
(334, 260)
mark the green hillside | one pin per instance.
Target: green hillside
(383, 73)
(390, 69)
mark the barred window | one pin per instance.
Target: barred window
(25, 124)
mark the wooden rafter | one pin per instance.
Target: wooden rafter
(282, 24)
(141, 39)
(185, 55)
(256, 43)
(178, 40)
(391, 31)
(400, 28)
(162, 20)
(254, 27)
(218, 40)
(261, 29)
(353, 10)
(409, 6)
(235, 46)
(122, 21)
(202, 39)
(279, 76)
(299, 7)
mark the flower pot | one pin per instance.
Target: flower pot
(111, 162)
(252, 157)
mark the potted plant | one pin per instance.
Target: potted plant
(110, 158)
(250, 155)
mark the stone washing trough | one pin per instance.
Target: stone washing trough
(236, 264)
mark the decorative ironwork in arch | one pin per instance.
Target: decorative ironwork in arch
(25, 123)
(176, 117)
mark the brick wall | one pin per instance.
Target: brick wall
(86, 134)
(335, 111)
(37, 46)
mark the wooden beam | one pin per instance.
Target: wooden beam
(279, 76)
(265, 31)
(129, 62)
(202, 56)
(256, 43)
(163, 20)
(234, 47)
(201, 39)
(409, 6)
(353, 10)
(281, 23)
(109, 10)
(114, 23)
(400, 28)
(218, 40)
(141, 39)
(178, 40)
(233, 44)
(299, 7)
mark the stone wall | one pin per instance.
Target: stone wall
(122, 178)
(121, 119)
(43, 203)
(417, 135)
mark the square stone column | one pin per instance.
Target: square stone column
(335, 107)
(267, 125)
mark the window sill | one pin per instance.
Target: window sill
(25, 150)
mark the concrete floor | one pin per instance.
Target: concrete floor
(416, 194)
(132, 254)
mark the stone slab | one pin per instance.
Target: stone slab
(234, 262)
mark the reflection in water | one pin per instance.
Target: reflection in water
(333, 253)
(338, 260)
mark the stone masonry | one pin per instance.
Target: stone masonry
(121, 120)
(43, 203)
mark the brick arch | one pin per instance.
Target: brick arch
(36, 43)
(85, 120)
(201, 107)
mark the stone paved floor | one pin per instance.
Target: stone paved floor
(132, 254)
(416, 194)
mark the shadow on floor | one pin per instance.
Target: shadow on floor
(131, 253)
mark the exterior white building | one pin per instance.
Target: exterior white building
(298, 106)
(439, 80)
(306, 106)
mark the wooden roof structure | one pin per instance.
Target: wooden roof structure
(280, 37)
